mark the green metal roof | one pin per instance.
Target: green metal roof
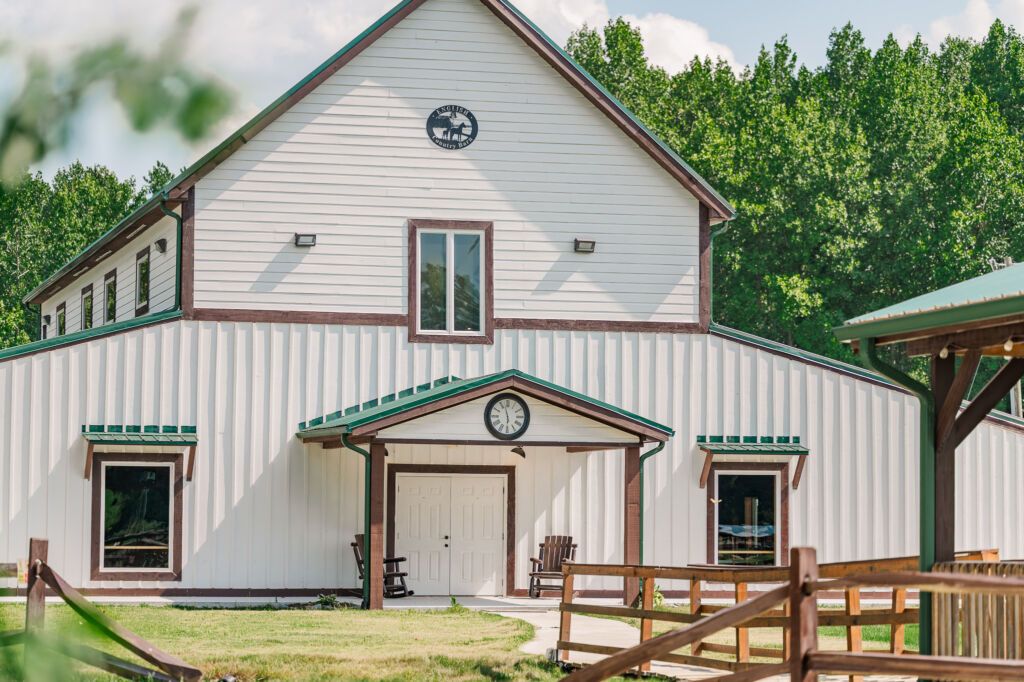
(344, 421)
(151, 434)
(754, 448)
(87, 334)
(995, 294)
(241, 136)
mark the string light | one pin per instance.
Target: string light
(944, 353)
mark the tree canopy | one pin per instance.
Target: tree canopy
(876, 177)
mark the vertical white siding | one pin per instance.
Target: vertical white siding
(162, 273)
(352, 163)
(279, 514)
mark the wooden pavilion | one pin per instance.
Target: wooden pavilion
(954, 327)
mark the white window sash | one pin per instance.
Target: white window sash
(449, 283)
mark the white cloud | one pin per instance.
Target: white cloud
(975, 19)
(671, 42)
(262, 47)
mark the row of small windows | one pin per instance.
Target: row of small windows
(109, 299)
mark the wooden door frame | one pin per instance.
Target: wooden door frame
(780, 468)
(468, 469)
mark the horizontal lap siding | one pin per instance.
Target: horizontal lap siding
(161, 280)
(352, 163)
(265, 511)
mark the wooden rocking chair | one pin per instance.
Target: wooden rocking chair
(555, 550)
(394, 579)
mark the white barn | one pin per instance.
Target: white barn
(446, 292)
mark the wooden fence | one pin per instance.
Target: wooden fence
(806, 661)
(980, 625)
(39, 643)
(852, 617)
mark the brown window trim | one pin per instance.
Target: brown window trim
(107, 279)
(61, 309)
(87, 290)
(176, 460)
(782, 551)
(487, 227)
(144, 308)
(510, 505)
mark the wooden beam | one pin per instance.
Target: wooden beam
(191, 462)
(798, 473)
(930, 667)
(376, 553)
(706, 471)
(948, 402)
(631, 522)
(803, 609)
(35, 607)
(88, 460)
(986, 400)
(964, 340)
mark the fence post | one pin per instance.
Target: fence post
(565, 622)
(803, 566)
(35, 605)
(647, 624)
(695, 608)
(786, 642)
(742, 634)
(899, 605)
(854, 640)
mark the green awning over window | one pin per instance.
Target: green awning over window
(115, 434)
(754, 448)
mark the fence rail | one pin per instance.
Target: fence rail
(852, 617)
(804, 660)
(39, 643)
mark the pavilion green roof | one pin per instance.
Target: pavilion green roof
(344, 421)
(993, 295)
(150, 434)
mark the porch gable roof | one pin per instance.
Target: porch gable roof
(396, 408)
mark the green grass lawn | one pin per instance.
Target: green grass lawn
(297, 644)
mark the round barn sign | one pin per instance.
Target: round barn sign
(452, 127)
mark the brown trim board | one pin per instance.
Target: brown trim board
(96, 535)
(187, 254)
(704, 281)
(782, 551)
(412, 320)
(510, 506)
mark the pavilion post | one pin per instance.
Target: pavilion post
(631, 522)
(375, 554)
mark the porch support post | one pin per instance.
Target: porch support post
(375, 553)
(631, 522)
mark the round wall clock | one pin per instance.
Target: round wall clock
(507, 416)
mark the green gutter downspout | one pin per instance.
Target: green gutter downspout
(643, 458)
(927, 474)
(366, 517)
(177, 250)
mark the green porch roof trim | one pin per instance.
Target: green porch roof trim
(994, 294)
(754, 448)
(86, 334)
(240, 136)
(787, 443)
(117, 434)
(444, 388)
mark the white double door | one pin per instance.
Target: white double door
(451, 528)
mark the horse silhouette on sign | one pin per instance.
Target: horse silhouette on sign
(451, 130)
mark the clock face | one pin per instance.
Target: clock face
(507, 416)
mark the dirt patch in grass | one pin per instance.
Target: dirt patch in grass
(343, 644)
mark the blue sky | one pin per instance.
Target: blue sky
(261, 47)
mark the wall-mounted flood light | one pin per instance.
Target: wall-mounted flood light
(46, 319)
(305, 239)
(584, 245)
(161, 246)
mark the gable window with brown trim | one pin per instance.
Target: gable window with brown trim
(142, 282)
(87, 309)
(61, 319)
(136, 516)
(110, 297)
(451, 281)
(748, 514)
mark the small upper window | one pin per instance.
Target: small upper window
(61, 318)
(87, 307)
(450, 281)
(142, 282)
(110, 297)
